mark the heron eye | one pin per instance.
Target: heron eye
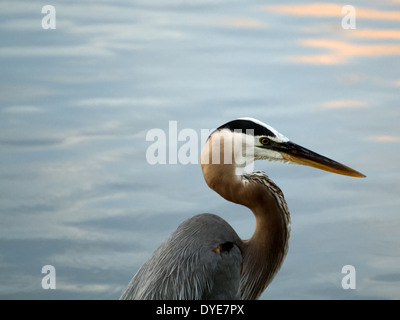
(264, 141)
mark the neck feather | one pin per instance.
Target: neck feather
(264, 252)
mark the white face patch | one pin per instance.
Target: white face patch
(231, 148)
(279, 137)
(261, 153)
(241, 148)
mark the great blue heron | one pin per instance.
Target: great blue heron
(204, 258)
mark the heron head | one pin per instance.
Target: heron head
(255, 140)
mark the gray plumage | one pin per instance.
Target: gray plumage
(189, 265)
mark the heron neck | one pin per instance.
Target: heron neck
(264, 252)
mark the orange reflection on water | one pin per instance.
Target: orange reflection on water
(341, 46)
(341, 51)
(331, 10)
(386, 139)
(343, 104)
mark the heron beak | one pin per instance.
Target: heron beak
(299, 155)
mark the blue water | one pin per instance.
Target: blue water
(76, 103)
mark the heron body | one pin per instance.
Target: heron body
(204, 258)
(184, 271)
